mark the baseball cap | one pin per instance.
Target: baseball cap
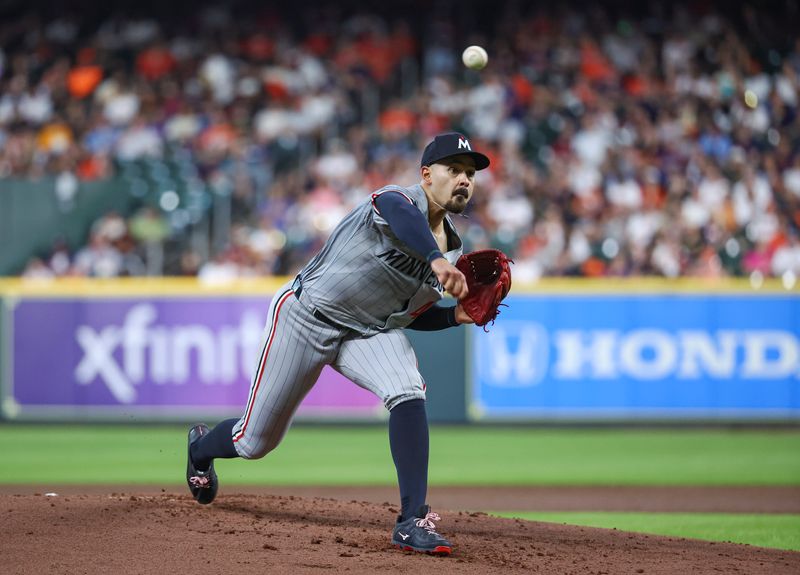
(452, 144)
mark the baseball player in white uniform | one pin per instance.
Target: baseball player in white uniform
(383, 269)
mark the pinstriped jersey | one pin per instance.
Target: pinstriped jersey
(364, 278)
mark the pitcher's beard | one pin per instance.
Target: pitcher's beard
(456, 204)
(455, 208)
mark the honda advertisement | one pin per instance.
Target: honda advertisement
(639, 356)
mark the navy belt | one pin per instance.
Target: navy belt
(297, 286)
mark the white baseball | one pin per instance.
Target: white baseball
(475, 57)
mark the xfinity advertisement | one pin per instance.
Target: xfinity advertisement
(640, 356)
(160, 356)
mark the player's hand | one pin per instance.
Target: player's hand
(450, 277)
(462, 316)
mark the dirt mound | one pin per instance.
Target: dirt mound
(255, 533)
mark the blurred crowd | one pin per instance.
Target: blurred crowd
(664, 141)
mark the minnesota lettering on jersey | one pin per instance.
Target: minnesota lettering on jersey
(411, 267)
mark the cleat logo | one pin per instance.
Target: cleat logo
(199, 481)
(404, 536)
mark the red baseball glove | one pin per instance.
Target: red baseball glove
(489, 280)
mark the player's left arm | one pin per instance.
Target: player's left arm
(436, 318)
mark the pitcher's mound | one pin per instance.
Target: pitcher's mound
(250, 533)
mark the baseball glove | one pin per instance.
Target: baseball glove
(489, 280)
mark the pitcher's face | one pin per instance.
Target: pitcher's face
(451, 182)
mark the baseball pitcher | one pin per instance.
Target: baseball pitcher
(382, 270)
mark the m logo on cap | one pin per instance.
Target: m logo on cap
(451, 144)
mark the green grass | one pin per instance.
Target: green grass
(52, 455)
(777, 531)
(459, 456)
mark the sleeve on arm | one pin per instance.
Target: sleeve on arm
(407, 223)
(435, 318)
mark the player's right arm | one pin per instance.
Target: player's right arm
(411, 228)
(450, 277)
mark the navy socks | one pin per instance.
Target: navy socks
(217, 443)
(408, 439)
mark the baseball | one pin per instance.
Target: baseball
(475, 57)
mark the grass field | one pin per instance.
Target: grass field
(61, 454)
(459, 455)
(779, 531)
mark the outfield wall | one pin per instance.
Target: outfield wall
(638, 350)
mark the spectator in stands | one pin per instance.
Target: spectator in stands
(621, 145)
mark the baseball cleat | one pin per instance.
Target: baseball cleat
(419, 534)
(202, 484)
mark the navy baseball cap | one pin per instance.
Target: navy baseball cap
(452, 144)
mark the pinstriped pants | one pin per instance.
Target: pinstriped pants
(296, 346)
